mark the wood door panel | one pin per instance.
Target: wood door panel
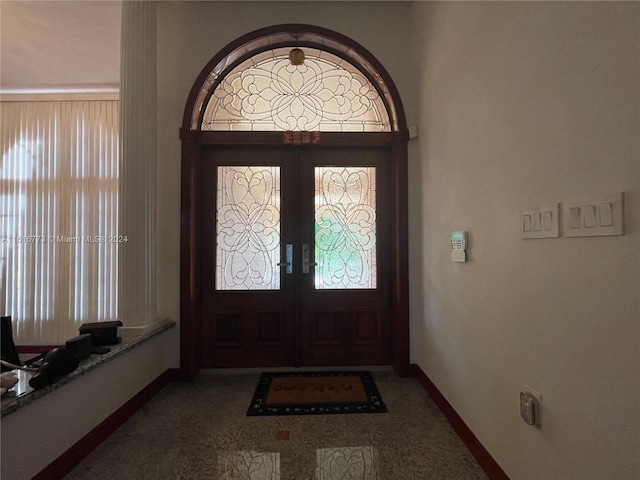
(326, 328)
(248, 338)
(344, 338)
(225, 329)
(334, 328)
(367, 328)
(271, 329)
(245, 328)
(297, 324)
(346, 326)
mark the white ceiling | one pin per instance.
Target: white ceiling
(69, 45)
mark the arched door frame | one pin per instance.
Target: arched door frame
(195, 140)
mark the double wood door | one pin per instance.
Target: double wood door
(295, 250)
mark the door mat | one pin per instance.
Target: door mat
(315, 393)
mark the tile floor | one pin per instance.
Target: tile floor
(198, 430)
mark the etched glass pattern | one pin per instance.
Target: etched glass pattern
(345, 228)
(267, 93)
(248, 228)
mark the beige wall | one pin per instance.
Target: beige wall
(191, 33)
(518, 104)
(59, 45)
(523, 104)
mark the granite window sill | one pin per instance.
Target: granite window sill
(22, 394)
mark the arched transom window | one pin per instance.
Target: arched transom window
(270, 92)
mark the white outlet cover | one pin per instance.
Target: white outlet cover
(538, 396)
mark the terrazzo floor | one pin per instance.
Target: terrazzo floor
(198, 430)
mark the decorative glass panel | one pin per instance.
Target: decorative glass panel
(248, 228)
(345, 227)
(267, 92)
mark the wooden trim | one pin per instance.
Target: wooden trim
(36, 348)
(342, 139)
(190, 330)
(196, 141)
(400, 264)
(481, 454)
(74, 455)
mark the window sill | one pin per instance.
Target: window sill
(22, 394)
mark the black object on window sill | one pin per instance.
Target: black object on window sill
(8, 348)
(102, 333)
(55, 364)
(100, 350)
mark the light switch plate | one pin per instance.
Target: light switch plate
(601, 216)
(540, 222)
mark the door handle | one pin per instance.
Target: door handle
(305, 258)
(288, 254)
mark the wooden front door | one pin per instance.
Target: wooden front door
(296, 256)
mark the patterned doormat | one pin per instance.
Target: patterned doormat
(315, 393)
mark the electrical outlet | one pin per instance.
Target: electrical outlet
(530, 406)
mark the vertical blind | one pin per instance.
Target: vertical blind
(58, 216)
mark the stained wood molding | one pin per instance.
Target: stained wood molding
(66, 462)
(481, 454)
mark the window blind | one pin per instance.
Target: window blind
(58, 216)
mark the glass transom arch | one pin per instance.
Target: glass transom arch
(267, 93)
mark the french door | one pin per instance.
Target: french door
(295, 251)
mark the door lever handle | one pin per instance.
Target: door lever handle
(305, 258)
(288, 254)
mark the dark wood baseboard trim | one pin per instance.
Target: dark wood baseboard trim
(25, 349)
(184, 374)
(484, 458)
(68, 460)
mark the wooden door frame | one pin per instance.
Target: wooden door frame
(195, 141)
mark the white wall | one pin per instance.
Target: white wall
(59, 45)
(523, 104)
(191, 33)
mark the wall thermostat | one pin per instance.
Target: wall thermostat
(459, 242)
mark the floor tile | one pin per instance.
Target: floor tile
(346, 463)
(199, 430)
(249, 465)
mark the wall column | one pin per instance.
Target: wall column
(138, 161)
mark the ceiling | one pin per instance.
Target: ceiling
(59, 45)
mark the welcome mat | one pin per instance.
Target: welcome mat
(314, 393)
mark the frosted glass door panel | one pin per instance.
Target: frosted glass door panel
(248, 228)
(345, 228)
